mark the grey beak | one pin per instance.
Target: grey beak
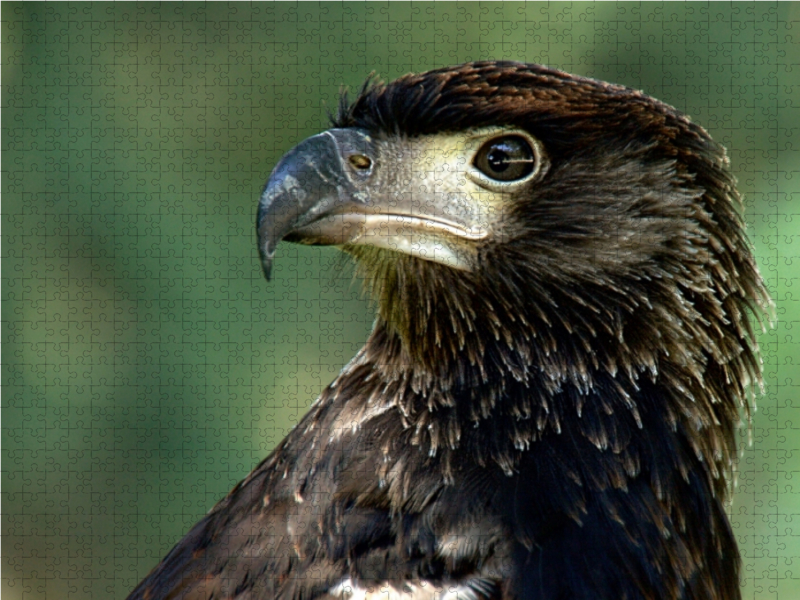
(311, 181)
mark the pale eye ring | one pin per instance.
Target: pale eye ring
(507, 158)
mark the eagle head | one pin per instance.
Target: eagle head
(510, 217)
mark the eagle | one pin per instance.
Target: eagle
(547, 405)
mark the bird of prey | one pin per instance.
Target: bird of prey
(547, 405)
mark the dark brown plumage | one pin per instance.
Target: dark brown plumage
(546, 407)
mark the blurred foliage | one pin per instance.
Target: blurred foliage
(147, 365)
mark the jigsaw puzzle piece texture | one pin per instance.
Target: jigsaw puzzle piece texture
(147, 364)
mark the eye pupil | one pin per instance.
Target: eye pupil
(498, 160)
(505, 159)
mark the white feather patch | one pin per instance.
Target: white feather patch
(421, 590)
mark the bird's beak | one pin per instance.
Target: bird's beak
(330, 190)
(308, 187)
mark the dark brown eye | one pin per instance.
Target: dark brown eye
(506, 159)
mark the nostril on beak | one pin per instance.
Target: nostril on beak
(359, 161)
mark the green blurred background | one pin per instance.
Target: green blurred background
(147, 366)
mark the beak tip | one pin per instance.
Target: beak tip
(266, 265)
(302, 186)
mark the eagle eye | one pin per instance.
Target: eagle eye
(507, 158)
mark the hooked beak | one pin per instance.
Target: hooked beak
(327, 191)
(309, 182)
